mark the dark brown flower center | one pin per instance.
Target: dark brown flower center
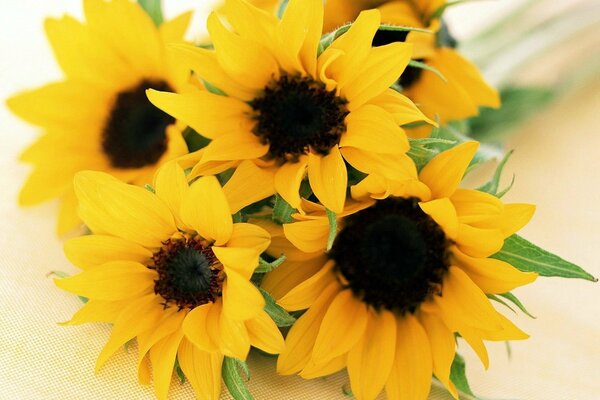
(134, 134)
(296, 114)
(189, 273)
(392, 255)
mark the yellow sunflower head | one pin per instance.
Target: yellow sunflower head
(98, 116)
(171, 270)
(403, 277)
(291, 108)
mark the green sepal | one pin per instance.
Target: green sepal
(328, 38)
(194, 140)
(213, 89)
(423, 150)
(268, 266)
(527, 257)
(493, 184)
(154, 9)
(277, 313)
(458, 376)
(179, 372)
(282, 211)
(232, 371)
(281, 8)
(332, 218)
(422, 65)
(513, 299)
(149, 188)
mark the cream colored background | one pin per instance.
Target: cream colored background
(557, 166)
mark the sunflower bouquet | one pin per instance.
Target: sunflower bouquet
(291, 186)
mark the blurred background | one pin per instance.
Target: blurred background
(551, 47)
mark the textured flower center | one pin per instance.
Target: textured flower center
(134, 134)
(392, 255)
(296, 114)
(189, 274)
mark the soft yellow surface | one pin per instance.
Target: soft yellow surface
(557, 166)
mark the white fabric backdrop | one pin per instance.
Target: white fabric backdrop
(557, 166)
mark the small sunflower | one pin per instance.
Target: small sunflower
(465, 89)
(402, 278)
(173, 271)
(98, 116)
(292, 110)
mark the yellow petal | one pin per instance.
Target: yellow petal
(109, 206)
(443, 213)
(45, 183)
(328, 179)
(94, 250)
(242, 145)
(246, 62)
(67, 217)
(479, 242)
(202, 369)
(288, 179)
(241, 299)
(290, 274)
(174, 29)
(383, 66)
(234, 338)
(463, 304)
(251, 22)
(302, 296)
(313, 370)
(445, 171)
(139, 316)
(309, 236)
(115, 280)
(301, 337)
(371, 128)
(474, 339)
(171, 186)
(509, 331)
(512, 218)
(249, 236)
(162, 356)
(195, 328)
(443, 347)
(98, 311)
(491, 275)
(410, 378)
(169, 323)
(208, 114)
(239, 259)
(473, 205)
(401, 107)
(205, 209)
(371, 360)
(264, 334)
(343, 326)
(390, 166)
(247, 185)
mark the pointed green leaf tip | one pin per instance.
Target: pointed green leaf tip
(331, 217)
(458, 376)
(154, 9)
(493, 184)
(232, 376)
(281, 317)
(528, 257)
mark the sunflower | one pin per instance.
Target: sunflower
(172, 270)
(291, 110)
(464, 89)
(98, 116)
(403, 277)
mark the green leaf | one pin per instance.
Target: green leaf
(423, 150)
(266, 266)
(492, 185)
(422, 65)
(282, 7)
(232, 376)
(458, 376)
(213, 89)
(282, 211)
(528, 257)
(513, 299)
(154, 9)
(331, 217)
(499, 300)
(194, 140)
(281, 317)
(518, 104)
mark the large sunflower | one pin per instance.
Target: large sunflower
(172, 270)
(292, 110)
(98, 116)
(465, 89)
(402, 278)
